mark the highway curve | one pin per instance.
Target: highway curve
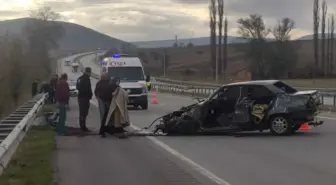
(255, 158)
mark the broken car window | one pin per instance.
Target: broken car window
(284, 87)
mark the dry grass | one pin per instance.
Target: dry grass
(198, 59)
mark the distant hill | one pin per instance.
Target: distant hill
(76, 38)
(311, 37)
(200, 41)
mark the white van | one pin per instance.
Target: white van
(132, 77)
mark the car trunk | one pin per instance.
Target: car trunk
(313, 98)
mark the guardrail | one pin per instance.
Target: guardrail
(14, 127)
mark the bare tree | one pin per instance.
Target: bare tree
(220, 35)
(213, 43)
(16, 71)
(282, 30)
(43, 35)
(254, 30)
(284, 55)
(332, 41)
(316, 18)
(224, 66)
(323, 27)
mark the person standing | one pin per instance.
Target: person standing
(85, 94)
(53, 84)
(34, 88)
(117, 117)
(103, 93)
(62, 96)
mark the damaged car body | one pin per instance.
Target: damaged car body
(246, 106)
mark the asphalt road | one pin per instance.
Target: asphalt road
(255, 159)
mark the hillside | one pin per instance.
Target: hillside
(76, 38)
(197, 59)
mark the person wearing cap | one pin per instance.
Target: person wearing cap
(117, 117)
(85, 94)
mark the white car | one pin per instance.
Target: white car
(72, 88)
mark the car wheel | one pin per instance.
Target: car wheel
(280, 125)
(145, 106)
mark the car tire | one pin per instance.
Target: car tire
(144, 106)
(281, 125)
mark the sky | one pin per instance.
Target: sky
(142, 20)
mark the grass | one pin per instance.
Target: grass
(32, 162)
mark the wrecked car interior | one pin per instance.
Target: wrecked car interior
(246, 106)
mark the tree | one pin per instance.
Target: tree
(323, 54)
(43, 35)
(220, 35)
(254, 30)
(213, 43)
(332, 42)
(224, 66)
(16, 72)
(316, 18)
(328, 49)
(284, 55)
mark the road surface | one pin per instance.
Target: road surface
(255, 159)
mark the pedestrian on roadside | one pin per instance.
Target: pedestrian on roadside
(85, 94)
(46, 88)
(34, 88)
(103, 93)
(53, 84)
(62, 98)
(117, 117)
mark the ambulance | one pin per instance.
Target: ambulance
(132, 77)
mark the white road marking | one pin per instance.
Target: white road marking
(180, 156)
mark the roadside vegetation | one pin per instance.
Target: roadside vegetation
(25, 57)
(32, 161)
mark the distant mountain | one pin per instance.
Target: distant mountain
(311, 37)
(76, 38)
(200, 41)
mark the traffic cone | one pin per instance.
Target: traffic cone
(305, 127)
(154, 100)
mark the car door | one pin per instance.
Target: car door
(229, 99)
(261, 94)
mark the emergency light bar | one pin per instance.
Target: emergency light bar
(115, 56)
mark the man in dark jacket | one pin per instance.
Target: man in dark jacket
(103, 93)
(84, 96)
(62, 98)
(34, 88)
(53, 84)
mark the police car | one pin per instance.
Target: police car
(132, 77)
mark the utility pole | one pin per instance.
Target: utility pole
(164, 64)
(216, 70)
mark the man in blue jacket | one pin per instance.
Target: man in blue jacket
(84, 96)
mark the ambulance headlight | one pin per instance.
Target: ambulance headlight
(144, 89)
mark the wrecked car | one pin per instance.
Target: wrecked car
(247, 106)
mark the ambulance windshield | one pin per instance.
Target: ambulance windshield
(127, 73)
